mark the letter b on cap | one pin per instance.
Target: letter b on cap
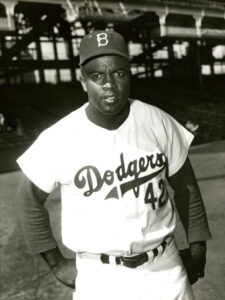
(102, 39)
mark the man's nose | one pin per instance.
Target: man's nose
(109, 81)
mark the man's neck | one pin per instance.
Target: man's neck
(106, 121)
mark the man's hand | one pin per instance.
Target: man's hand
(194, 260)
(63, 269)
(65, 272)
(198, 255)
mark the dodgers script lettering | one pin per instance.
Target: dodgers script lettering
(90, 178)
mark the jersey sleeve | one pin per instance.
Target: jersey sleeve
(38, 163)
(34, 218)
(178, 140)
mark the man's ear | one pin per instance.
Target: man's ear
(83, 83)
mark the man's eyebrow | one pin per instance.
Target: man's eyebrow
(120, 69)
(94, 70)
(99, 70)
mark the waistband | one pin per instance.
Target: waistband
(130, 261)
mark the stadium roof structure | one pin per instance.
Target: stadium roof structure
(139, 21)
(164, 18)
(119, 12)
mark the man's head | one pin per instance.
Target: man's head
(105, 71)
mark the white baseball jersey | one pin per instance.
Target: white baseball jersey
(113, 187)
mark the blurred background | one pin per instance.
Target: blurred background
(177, 51)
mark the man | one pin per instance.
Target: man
(112, 158)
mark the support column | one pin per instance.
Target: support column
(40, 59)
(150, 65)
(171, 59)
(145, 47)
(5, 64)
(196, 64)
(212, 62)
(162, 20)
(10, 5)
(21, 73)
(55, 54)
(198, 23)
(151, 60)
(71, 58)
(68, 38)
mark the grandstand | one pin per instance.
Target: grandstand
(177, 45)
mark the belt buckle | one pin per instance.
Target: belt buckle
(128, 263)
(134, 261)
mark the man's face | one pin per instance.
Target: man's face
(106, 79)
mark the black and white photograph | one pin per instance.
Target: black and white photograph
(112, 150)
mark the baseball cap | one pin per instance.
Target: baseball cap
(99, 43)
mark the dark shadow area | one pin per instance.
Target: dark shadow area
(30, 108)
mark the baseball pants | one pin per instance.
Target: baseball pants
(164, 278)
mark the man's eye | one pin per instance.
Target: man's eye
(120, 74)
(96, 76)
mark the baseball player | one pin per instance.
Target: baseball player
(113, 158)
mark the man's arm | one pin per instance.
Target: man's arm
(192, 213)
(35, 223)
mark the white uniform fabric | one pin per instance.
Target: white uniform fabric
(163, 279)
(113, 188)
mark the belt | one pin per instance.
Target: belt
(129, 261)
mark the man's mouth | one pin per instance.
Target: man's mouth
(110, 99)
